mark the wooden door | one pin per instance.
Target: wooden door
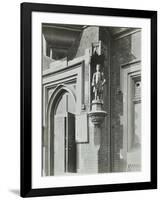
(64, 147)
(59, 145)
(70, 143)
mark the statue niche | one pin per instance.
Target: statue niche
(97, 113)
(97, 79)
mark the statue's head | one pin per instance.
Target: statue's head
(97, 67)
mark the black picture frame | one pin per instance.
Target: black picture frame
(26, 103)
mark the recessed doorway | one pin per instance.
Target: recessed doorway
(63, 146)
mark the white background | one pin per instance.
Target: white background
(10, 98)
(39, 181)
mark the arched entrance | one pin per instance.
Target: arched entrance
(62, 134)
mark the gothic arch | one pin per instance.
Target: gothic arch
(59, 90)
(52, 105)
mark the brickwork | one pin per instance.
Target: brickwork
(123, 50)
(104, 151)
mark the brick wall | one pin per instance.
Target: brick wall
(123, 50)
(104, 151)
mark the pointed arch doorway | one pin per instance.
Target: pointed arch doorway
(62, 134)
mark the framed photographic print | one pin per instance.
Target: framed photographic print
(88, 99)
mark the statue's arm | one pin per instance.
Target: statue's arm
(103, 78)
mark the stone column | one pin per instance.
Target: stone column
(44, 45)
(97, 116)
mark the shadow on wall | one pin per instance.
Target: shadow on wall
(72, 52)
(123, 50)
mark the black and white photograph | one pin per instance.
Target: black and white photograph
(91, 99)
(88, 100)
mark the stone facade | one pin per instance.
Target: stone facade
(124, 50)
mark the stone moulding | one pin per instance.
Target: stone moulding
(97, 117)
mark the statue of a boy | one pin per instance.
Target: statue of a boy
(98, 82)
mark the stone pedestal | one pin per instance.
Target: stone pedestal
(97, 116)
(97, 113)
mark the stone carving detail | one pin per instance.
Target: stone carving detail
(97, 113)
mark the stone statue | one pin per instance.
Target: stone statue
(98, 82)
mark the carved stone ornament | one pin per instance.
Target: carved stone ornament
(97, 117)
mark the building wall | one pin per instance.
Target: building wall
(104, 151)
(101, 151)
(87, 152)
(90, 35)
(123, 50)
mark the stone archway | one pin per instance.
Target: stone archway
(61, 118)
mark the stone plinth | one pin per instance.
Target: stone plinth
(97, 116)
(97, 113)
